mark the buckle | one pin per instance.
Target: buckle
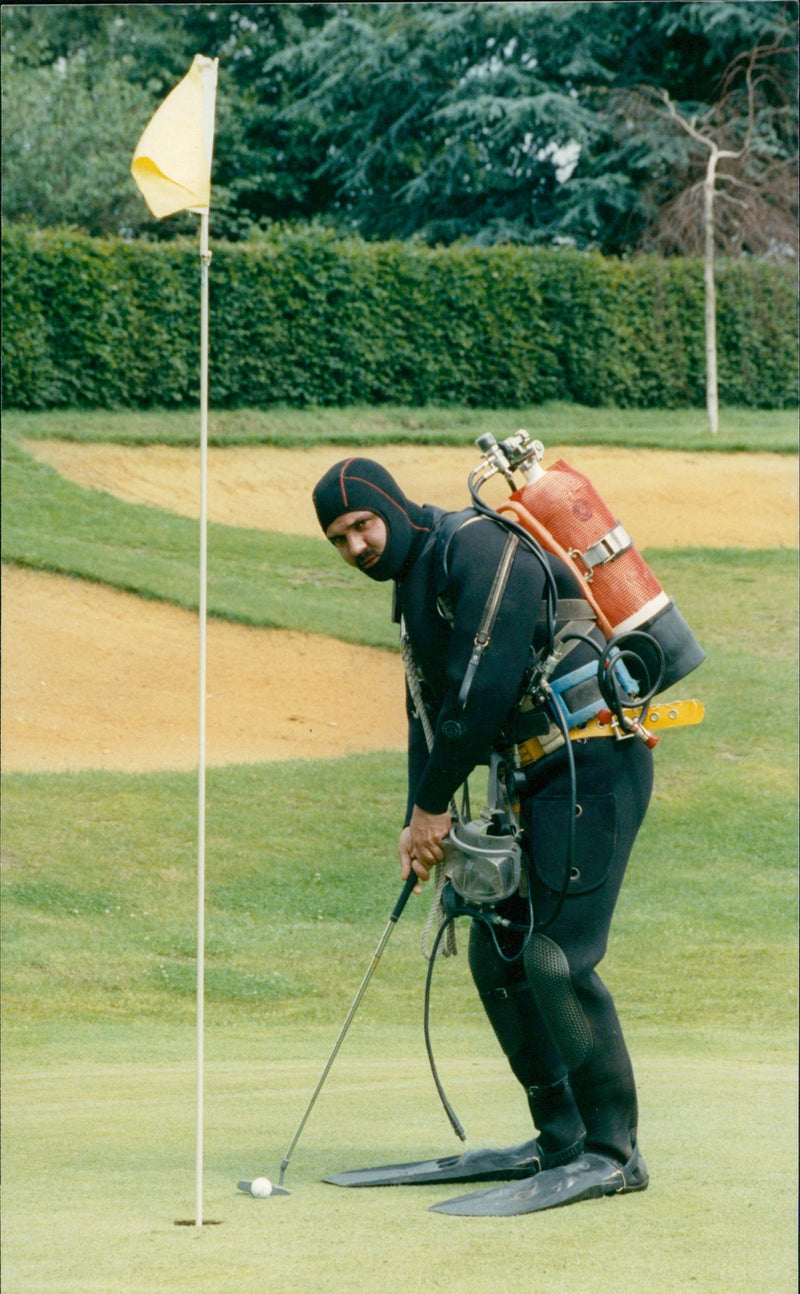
(610, 545)
(620, 733)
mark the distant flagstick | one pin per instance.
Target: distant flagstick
(172, 168)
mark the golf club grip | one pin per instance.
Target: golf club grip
(405, 894)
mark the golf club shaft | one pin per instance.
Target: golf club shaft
(392, 922)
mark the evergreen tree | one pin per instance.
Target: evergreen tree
(486, 121)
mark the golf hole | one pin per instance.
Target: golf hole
(190, 1222)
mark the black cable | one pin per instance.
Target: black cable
(489, 921)
(455, 1122)
(453, 905)
(530, 542)
(617, 650)
(611, 654)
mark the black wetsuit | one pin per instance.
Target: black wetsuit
(614, 781)
(613, 788)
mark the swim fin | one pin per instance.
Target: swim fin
(472, 1166)
(587, 1177)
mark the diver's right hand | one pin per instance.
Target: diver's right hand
(408, 861)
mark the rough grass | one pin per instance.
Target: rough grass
(255, 577)
(773, 430)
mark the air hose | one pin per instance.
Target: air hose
(489, 922)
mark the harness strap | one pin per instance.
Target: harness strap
(484, 635)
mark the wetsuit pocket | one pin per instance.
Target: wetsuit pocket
(595, 841)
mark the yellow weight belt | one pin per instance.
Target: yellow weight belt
(667, 714)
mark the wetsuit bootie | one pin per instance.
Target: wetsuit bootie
(555, 1114)
(587, 1177)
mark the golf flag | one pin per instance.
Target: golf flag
(172, 161)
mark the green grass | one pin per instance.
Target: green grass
(301, 859)
(735, 775)
(255, 577)
(99, 877)
(99, 1168)
(98, 1040)
(102, 1217)
(773, 430)
(98, 962)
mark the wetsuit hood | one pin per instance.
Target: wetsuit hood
(360, 484)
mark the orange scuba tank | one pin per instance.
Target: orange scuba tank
(568, 505)
(561, 508)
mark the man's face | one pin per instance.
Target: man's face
(360, 537)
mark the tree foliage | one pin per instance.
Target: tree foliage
(57, 166)
(496, 121)
(492, 122)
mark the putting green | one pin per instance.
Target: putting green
(97, 1159)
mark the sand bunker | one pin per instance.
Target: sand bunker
(93, 678)
(666, 499)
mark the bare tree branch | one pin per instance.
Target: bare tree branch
(742, 136)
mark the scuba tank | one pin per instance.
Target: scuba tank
(563, 511)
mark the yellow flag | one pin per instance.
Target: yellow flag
(172, 162)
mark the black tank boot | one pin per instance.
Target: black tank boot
(555, 1114)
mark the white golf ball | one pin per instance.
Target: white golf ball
(261, 1187)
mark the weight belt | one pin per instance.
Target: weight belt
(657, 718)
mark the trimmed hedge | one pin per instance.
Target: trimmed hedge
(304, 317)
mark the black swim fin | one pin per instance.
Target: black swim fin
(587, 1177)
(472, 1166)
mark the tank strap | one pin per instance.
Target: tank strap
(610, 545)
(570, 609)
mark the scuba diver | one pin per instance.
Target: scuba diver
(494, 627)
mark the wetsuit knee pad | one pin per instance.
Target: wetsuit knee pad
(549, 976)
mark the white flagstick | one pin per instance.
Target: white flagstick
(172, 169)
(205, 259)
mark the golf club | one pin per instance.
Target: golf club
(392, 922)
